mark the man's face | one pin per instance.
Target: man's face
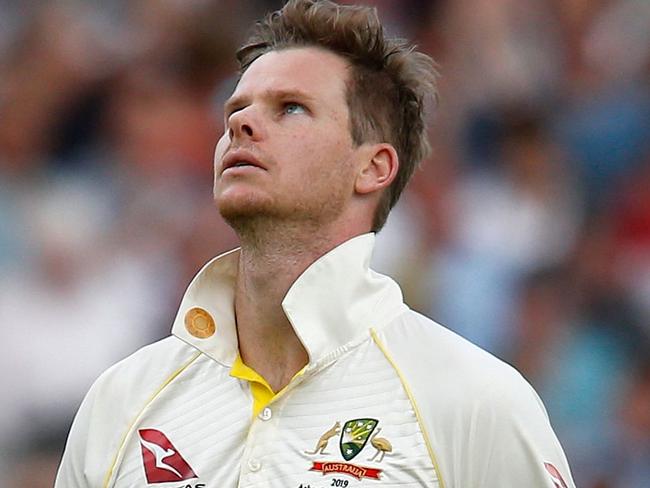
(287, 152)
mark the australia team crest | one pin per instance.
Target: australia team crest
(354, 435)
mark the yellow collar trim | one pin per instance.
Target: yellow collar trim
(262, 392)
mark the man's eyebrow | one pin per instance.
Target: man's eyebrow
(231, 103)
(274, 93)
(289, 93)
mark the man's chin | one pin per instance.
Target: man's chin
(237, 210)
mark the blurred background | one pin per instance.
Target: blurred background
(527, 231)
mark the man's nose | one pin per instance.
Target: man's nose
(243, 124)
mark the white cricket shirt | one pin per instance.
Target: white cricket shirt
(388, 399)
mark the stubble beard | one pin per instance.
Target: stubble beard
(258, 221)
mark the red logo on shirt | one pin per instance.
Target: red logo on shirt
(162, 461)
(558, 481)
(353, 470)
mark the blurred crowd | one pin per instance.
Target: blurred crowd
(527, 230)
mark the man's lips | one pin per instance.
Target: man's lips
(240, 158)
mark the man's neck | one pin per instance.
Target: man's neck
(268, 267)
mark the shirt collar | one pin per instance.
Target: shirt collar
(332, 304)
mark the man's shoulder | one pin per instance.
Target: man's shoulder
(438, 360)
(166, 352)
(112, 404)
(144, 371)
(471, 404)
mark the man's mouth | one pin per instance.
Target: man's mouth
(240, 158)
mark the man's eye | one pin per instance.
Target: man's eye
(294, 108)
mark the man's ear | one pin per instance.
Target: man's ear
(379, 169)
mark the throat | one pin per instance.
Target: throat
(276, 357)
(267, 341)
(270, 262)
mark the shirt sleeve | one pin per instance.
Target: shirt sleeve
(506, 440)
(101, 426)
(71, 471)
(483, 423)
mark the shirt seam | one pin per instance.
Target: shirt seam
(109, 474)
(411, 398)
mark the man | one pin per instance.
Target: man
(292, 364)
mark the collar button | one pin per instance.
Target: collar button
(265, 414)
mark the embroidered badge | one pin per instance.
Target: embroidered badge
(354, 436)
(381, 444)
(358, 472)
(321, 445)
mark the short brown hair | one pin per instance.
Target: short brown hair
(388, 84)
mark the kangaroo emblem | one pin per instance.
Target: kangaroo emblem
(161, 454)
(325, 438)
